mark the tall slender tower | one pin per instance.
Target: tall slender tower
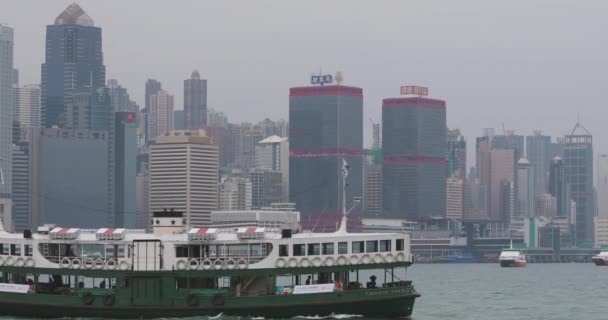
(539, 154)
(161, 114)
(326, 126)
(578, 168)
(414, 157)
(73, 62)
(6, 112)
(195, 102)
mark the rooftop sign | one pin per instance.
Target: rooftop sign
(420, 91)
(321, 79)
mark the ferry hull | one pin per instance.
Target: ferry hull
(600, 261)
(513, 263)
(369, 303)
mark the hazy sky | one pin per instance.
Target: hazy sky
(529, 64)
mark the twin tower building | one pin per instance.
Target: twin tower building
(326, 126)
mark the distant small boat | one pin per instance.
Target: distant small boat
(512, 258)
(461, 257)
(601, 259)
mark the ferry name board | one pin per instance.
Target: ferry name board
(321, 79)
(314, 288)
(14, 288)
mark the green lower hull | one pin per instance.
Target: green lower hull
(369, 303)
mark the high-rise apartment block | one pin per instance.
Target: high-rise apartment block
(73, 62)
(235, 193)
(326, 128)
(195, 102)
(161, 114)
(184, 175)
(272, 153)
(455, 197)
(267, 187)
(414, 157)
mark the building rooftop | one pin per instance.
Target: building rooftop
(274, 139)
(195, 75)
(74, 14)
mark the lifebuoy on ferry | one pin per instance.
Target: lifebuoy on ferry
(280, 263)
(354, 259)
(400, 257)
(218, 264)
(305, 263)
(88, 263)
(123, 265)
(342, 260)
(378, 258)
(30, 263)
(193, 264)
(293, 262)
(99, 263)
(207, 264)
(230, 264)
(8, 261)
(19, 262)
(366, 259)
(65, 262)
(242, 263)
(389, 258)
(111, 264)
(329, 261)
(75, 264)
(317, 262)
(181, 264)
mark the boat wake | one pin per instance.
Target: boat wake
(332, 316)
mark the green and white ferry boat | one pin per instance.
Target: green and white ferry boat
(179, 272)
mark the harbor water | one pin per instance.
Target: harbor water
(486, 291)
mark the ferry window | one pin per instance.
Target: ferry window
(181, 251)
(28, 250)
(314, 249)
(400, 244)
(15, 250)
(299, 250)
(328, 248)
(283, 250)
(342, 247)
(371, 246)
(385, 245)
(357, 247)
(3, 249)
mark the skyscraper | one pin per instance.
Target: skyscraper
(558, 187)
(124, 169)
(73, 62)
(414, 157)
(152, 87)
(195, 102)
(161, 114)
(601, 188)
(235, 193)
(326, 127)
(267, 187)
(273, 153)
(457, 153)
(526, 194)
(578, 168)
(26, 108)
(184, 175)
(539, 154)
(501, 184)
(6, 123)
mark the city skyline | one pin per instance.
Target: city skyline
(438, 56)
